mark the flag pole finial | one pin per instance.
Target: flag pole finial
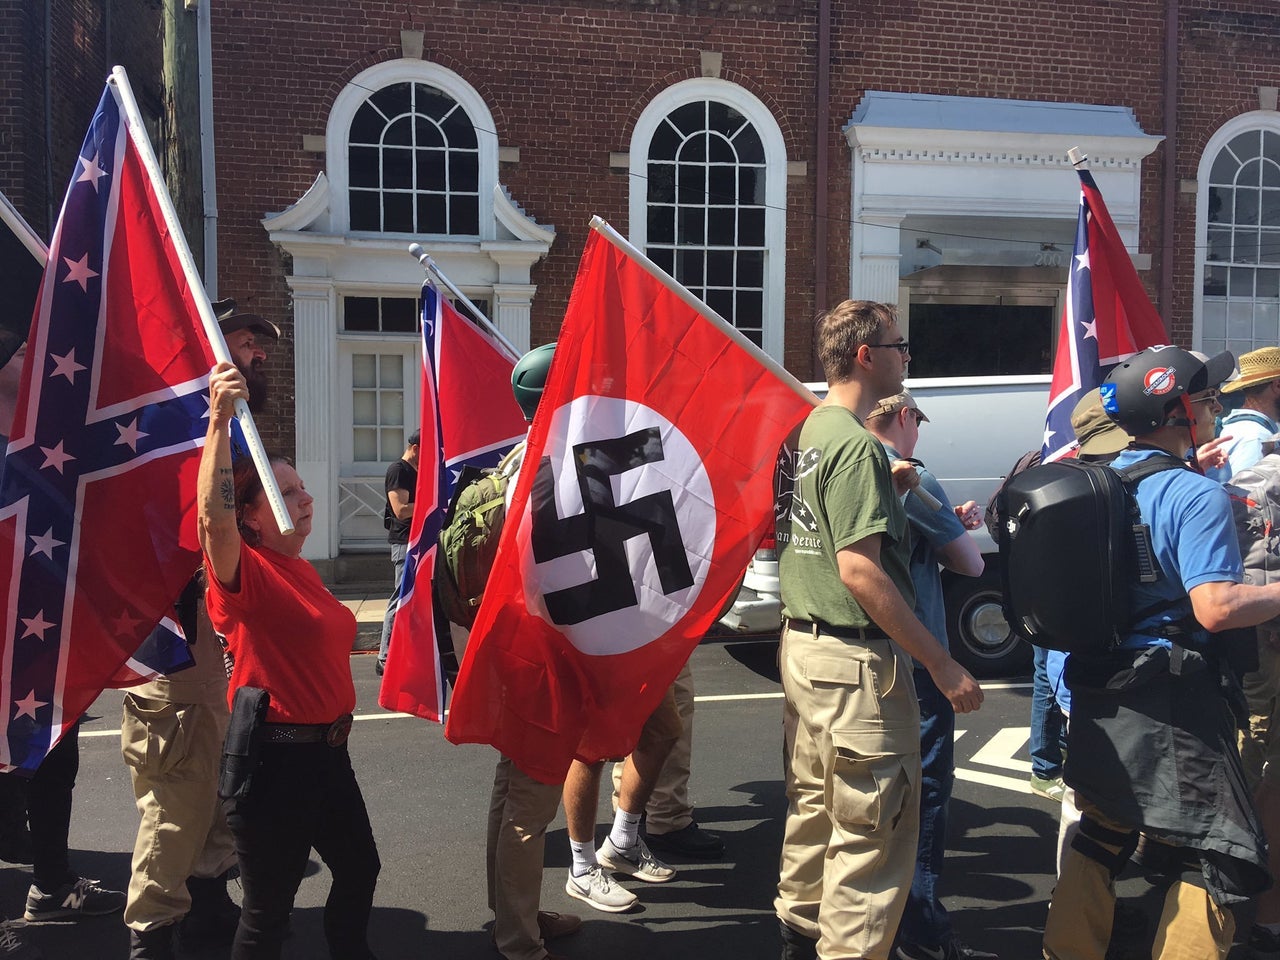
(433, 269)
(1078, 158)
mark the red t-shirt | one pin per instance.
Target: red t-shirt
(289, 635)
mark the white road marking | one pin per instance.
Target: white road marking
(1002, 750)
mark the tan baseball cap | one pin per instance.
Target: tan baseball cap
(895, 403)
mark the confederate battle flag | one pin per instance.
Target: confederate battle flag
(645, 487)
(469, 418)
(97, 499)
(1107, 317)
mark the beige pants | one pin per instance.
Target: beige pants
(173, 751)
(1191, 927)
(669, 808)
(853, 792)
(519, 811)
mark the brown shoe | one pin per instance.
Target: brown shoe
(553, 926)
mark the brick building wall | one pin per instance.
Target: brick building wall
(46, 105)
(566, 84)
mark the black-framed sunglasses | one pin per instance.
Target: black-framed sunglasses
(901, 346)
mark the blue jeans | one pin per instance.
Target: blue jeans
(925, 920)
(398, 553)
(1047, 730)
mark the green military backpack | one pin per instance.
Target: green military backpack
(469, 539)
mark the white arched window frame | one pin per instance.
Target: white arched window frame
(1237, 273)
(359, 89)
(775, 188)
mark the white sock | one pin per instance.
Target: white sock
(584, 856)
(626, 830)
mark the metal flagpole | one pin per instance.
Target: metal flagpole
(424, 258)
(119, 82)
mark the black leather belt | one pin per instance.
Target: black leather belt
(840, 633)
(334, 734)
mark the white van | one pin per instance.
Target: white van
(978, 428)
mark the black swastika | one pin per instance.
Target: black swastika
(604, 527)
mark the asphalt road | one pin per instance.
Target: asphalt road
(428, 799)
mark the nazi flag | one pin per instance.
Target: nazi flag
(646, 484)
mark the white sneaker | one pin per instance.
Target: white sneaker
(636, 862)
(595, 889)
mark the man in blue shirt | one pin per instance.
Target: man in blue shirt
(1249, 431)
(937, 536)
(1153, 734)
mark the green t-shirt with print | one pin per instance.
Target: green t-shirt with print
(835, 488)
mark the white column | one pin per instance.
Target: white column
(512, 306)
(876, 257)
(315, 374)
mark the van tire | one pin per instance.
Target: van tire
(980, 637)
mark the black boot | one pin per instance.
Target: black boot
(213, 916)
(153, 944)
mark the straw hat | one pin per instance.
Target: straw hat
(1256, 366)
(1096, 433)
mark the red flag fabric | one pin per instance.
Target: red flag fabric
(645, 487)
(97, 500)
(469, 417)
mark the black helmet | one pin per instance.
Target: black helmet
(530, 376)
(1140, 393)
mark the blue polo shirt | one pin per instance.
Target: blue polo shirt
(1194, 539)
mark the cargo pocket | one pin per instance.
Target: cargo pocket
(151, 736)
(874, 776)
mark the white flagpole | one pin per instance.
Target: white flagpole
(119, 83)
(424, 258)
(22, 230)
(600, 225)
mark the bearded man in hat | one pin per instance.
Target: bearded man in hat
(1249, 432)
(171, 737)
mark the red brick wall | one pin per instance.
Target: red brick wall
(85, 39)
(566, 83)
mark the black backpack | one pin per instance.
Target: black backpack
(1072, 544)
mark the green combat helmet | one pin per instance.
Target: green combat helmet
(530, 376)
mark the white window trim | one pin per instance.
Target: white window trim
(360, 88)
(775, 158)
(1254, 120)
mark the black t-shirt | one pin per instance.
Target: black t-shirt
(401, 475)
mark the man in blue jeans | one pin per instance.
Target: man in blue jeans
(937, 536)
(397, 515)
(1047, 733)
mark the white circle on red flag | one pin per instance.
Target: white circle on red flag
(664, 463)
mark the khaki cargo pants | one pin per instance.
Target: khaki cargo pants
(173, 751)
(853, 792)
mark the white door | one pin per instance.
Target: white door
(378, 409)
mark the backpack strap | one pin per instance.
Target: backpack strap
(1248, 415)
(1131, 476)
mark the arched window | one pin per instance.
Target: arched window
(414, 163)
(707, 195)
(411, 149)
(1239, 236)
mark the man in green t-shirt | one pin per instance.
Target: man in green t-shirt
(853, 781)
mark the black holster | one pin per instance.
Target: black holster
(240, 751)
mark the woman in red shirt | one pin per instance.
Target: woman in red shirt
(289, 636)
